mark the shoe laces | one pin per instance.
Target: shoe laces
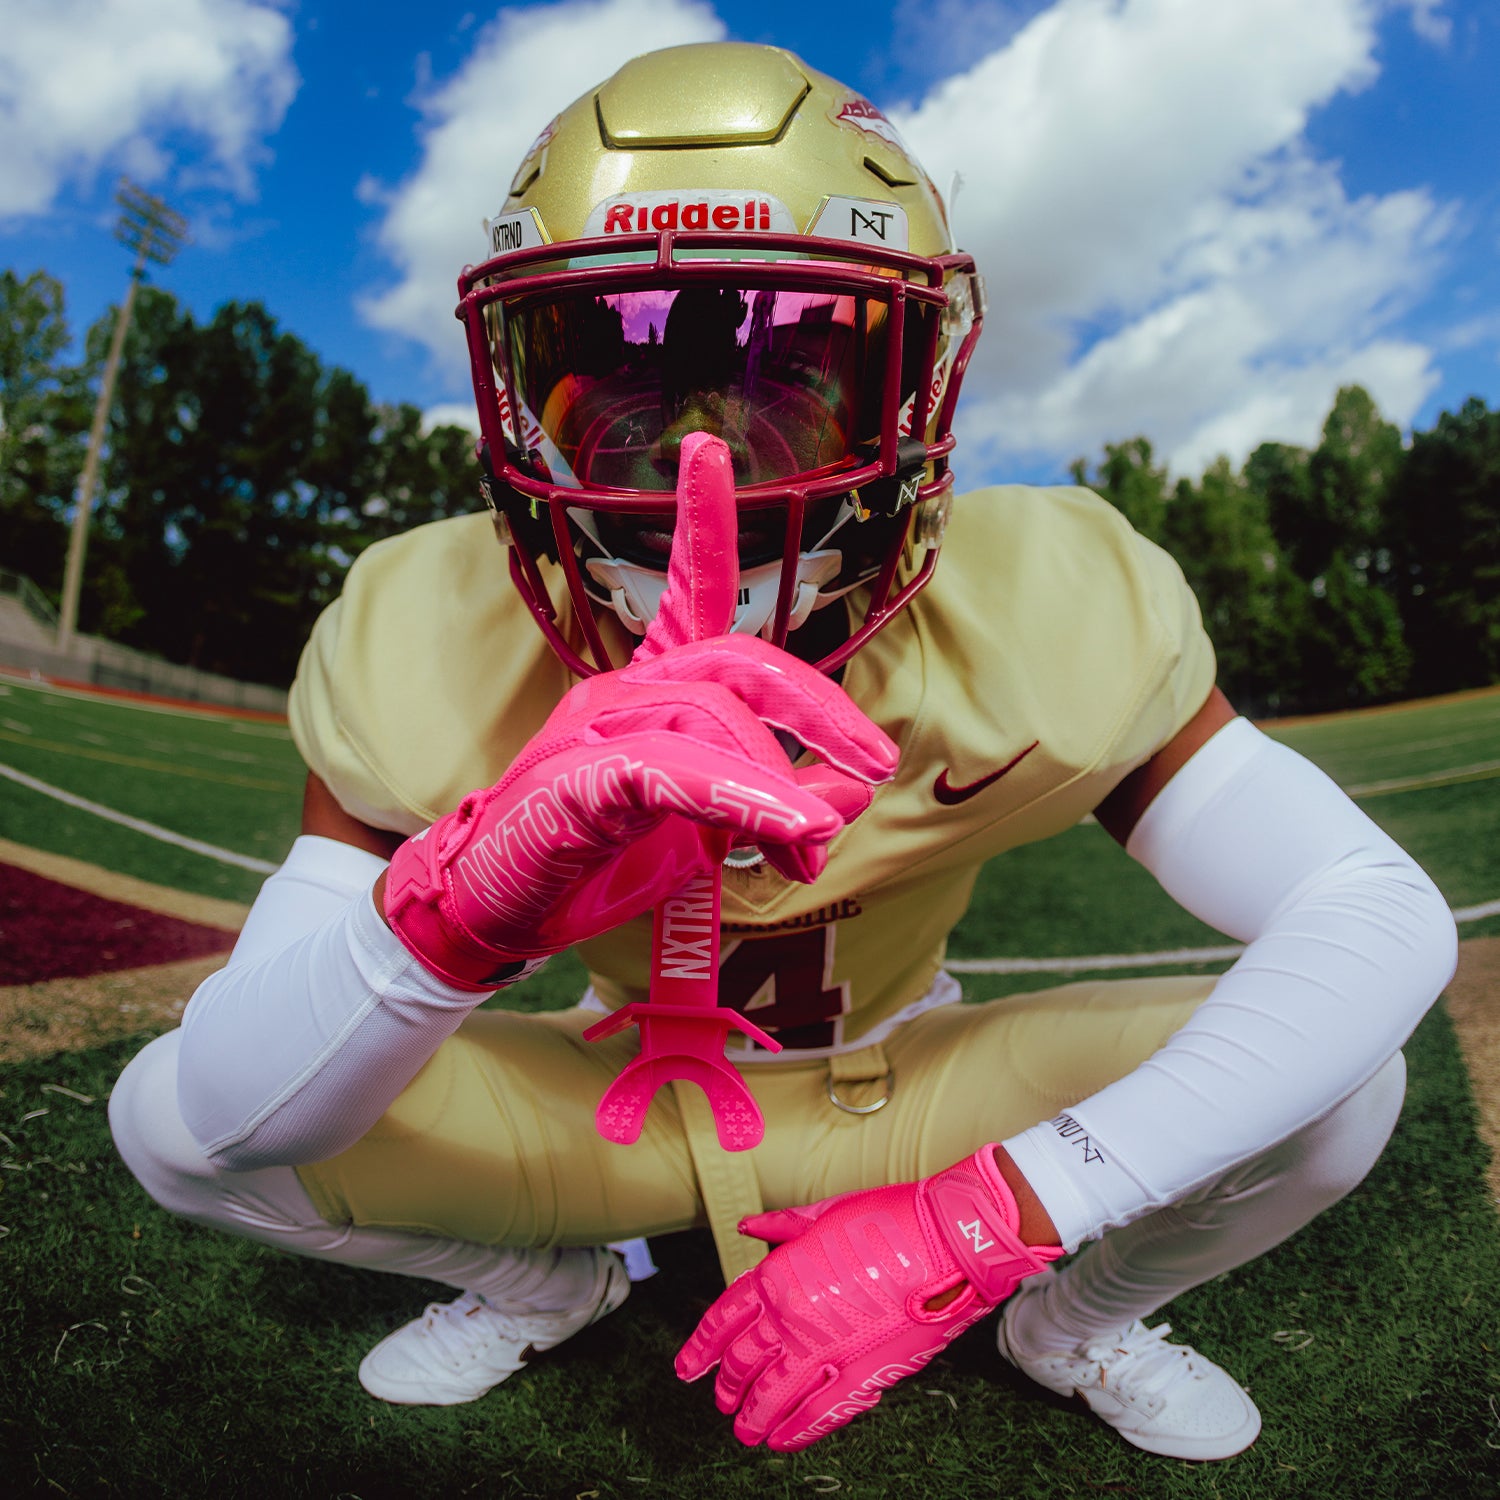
(460, 1330)
(1139, 1365)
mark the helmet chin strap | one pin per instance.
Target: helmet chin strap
(635, 592)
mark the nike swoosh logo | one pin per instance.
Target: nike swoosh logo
(950, 795)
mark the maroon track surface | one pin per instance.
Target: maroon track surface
(53, 931)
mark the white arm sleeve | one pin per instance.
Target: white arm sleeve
(293, 1050)
(1349, 942)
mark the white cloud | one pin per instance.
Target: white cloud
(1289, 402)
(451, 414)
(1268, 308)
(1427, 22)
(526, 66)
(87, 85)
(1164, 255)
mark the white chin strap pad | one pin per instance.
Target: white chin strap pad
(635, 592)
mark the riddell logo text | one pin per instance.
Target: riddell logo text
(627, 218)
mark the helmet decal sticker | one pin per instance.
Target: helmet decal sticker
(862, 115)
(534, 160)
(533, 434)
(548, 132)
(863, 220)
(517, 231)
(714, 208)
(935, 391)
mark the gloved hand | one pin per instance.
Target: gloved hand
(843, 1308)
(605, 810)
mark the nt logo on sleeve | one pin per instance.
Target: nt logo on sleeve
(1074, 1133)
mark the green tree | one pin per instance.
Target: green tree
(243, 477)
(43, 417)
(1349, 476)
(416, 474)
(214, 550)
(1133, 483)
(1219, 531)
(1357, 649)
(1280, 472)
(1329, 512)
(1445, 534)
(1345, 552)
(1254, 607)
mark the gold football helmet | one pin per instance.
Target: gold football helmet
(718, 238)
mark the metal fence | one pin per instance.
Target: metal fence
(32, 599)
(27, 635)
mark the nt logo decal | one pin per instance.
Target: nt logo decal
(974, 1231)
(1070, 1130)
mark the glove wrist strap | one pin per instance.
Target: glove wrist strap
(974, 1210)
(414, 896)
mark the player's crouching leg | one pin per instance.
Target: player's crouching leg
(157, 1146)
(513, 1303)
(1078, 1331)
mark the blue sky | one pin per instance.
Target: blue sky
(1197, 217)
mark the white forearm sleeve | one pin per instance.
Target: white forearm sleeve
(321, 1017)
(1349, 942)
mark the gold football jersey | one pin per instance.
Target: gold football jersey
(1054, 651)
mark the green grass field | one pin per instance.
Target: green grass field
(142, 1355)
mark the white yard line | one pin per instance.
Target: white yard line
(139, 825)
(1166, 958)
(1476, 913)
(1479, 771)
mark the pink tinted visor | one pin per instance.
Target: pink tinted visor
(609, 383)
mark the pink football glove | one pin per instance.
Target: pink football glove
(841, 1309)
(603, 813)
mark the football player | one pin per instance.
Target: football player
(717, 344)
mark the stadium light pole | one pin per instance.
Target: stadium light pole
(155, 233)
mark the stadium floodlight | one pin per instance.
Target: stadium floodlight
(155, 233)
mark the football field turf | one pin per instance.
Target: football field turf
(142, 1355)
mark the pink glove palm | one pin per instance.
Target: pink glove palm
(842, 1309)
(604, 812)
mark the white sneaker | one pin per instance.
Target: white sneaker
(1165, 1398)
(456, 1351)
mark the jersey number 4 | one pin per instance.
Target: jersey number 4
(784, 983)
